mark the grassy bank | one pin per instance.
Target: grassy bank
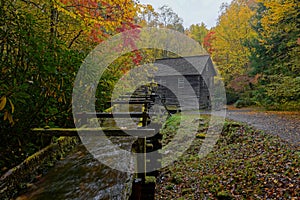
(245, 164)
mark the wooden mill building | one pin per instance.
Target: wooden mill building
(176, 77)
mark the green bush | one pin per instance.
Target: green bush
(231, 96)
(279, 93)
(243, 103)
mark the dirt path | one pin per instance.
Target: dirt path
(283, 124)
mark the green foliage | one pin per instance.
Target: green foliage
(231, 96)
(279, 93)
(275, 54)
(41, 51)
(198, 32)
(256, 47)
(275, 49)
(37, 69)
(243, 103)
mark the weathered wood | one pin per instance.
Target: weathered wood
(134, 97)
(196, 72)
(132, 102)
(141, 158)
(139, 96)
(95, 132)
(114, 115)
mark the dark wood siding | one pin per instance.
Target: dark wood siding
(198, 73)
(173, 91)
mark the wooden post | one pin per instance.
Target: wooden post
(141, 159)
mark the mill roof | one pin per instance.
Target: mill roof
(191, 65)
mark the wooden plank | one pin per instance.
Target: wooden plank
(139, 96)
(95, 132)
(114, 115)
(134, 97)
(132, 102)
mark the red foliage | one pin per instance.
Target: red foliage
(243, 82)
(207, 41)
(103, 20)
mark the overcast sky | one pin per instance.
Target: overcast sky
(192, 11)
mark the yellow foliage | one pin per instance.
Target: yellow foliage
(5, 115)
(2, 102)
(232, 30)
(10, 118)
(12, 106)
(100, 18)
(276, 12)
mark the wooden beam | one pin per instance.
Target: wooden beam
(139, 96)
(95, 132)
(113, 115)
(132, 102)
(135, 97)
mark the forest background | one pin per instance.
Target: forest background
(255, 47)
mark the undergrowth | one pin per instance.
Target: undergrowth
(245, 164)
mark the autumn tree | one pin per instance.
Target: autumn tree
(275, 49)
(169, 19)
(275, 53)
(148, 16)
(197, 32)
(207, 41)
(232, 31)
(43, 44)
(164, 17)
(100, 18)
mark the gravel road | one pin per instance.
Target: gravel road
(283, 124)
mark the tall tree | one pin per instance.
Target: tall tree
(43, 43)
(231, 33)
(100, 18)
(275, 53)
(169, 19)
(42, 46)
(165, 17)
(275, 50)
(148, 16)
(197, 32)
